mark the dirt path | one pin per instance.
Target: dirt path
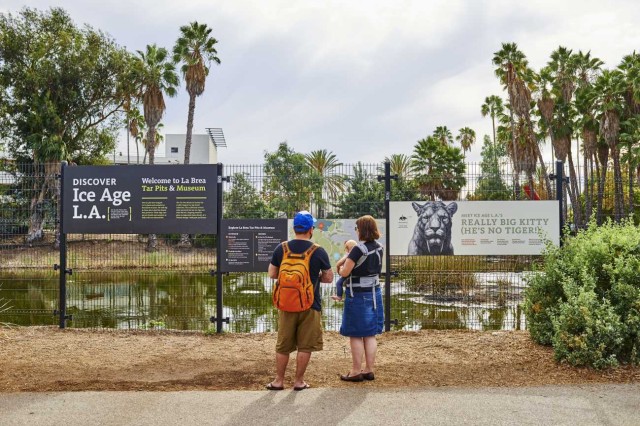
(49, 359)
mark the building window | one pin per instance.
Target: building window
(174, 149)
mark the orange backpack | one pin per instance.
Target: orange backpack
(294, 289)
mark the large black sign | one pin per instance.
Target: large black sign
(140, 199)
(247, 244)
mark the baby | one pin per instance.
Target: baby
(348, 245)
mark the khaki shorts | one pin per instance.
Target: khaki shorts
(299, 330)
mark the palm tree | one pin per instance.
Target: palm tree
(195, 48)
(492, 107)
(629, 136)
(400, 165)
(145, 141)
(466, 137)
(587, 69)
(444, 135)
(609, 91)
(630, 67)
(561, 70)
(511, 63)
(439, 169)
(155, 74)
(516, 77)
(136, 127)
(324, 163)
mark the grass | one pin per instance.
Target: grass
(4, 307)
(108, 254)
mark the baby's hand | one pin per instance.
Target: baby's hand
(336, 298)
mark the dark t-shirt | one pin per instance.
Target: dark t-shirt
(372, 265)
(319, 261)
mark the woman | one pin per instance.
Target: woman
(363, 315)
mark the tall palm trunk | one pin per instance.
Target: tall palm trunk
(631, 191)
(152, 242)
(185, 240)
(516, 167)
(493, 126)
(588, 190)
(573, 193)
(597, 180)
(547, 181)
(151, 146)
(618, 203)
(603, 159)
(187, 143)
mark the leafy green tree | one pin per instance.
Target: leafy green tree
(195, 49)
(439, 169)
(289, 182)
(61, 88)
(364, 195)
(243, 200)
(491, 186)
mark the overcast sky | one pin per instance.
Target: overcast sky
(363, 79)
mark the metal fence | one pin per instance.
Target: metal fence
(117, 283)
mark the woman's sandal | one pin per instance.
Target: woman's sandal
(348, 378)
(368, 376)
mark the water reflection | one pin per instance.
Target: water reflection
(186, 301)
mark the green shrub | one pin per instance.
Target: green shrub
(587, 331)
(586, 299)
(543, 297)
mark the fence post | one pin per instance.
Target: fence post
(387, 276)
(62, 304)
(219, 286)
(559, 177)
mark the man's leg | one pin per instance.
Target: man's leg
(302, 360)
(281, 367)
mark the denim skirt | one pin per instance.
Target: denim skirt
(359, 318)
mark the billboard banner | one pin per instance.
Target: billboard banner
(140, 199)
(424, 228)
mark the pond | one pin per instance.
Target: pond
(136, 299)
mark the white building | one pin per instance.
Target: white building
(204, 149)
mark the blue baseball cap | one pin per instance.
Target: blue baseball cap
(303, 221)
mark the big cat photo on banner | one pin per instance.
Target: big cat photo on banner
(444, 228)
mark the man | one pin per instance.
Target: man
(301, 331)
